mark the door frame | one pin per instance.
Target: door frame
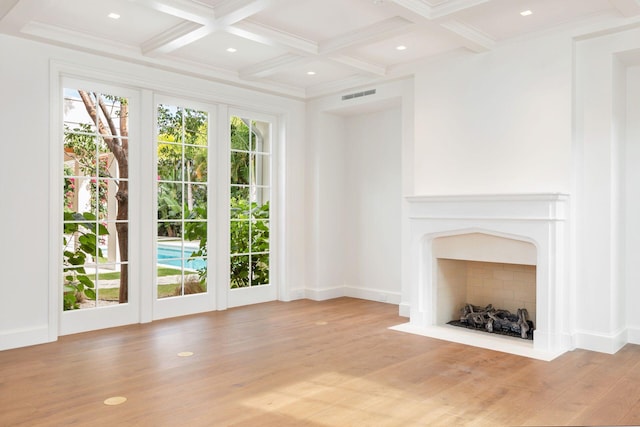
(206, 301)
(74, 321)
(271, 292)
(221, 96)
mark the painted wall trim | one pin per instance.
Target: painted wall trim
(25, 337)
(603, 343)
(372, 294)
(633, 335)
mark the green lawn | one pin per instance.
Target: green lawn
(165, 290)
(111, 294)
(162, 271)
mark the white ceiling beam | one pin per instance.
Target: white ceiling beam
(374, 32)
(183, 9)
(627, 7)
(6, 6)
(232, 11)
(471, 38)
(16, 14)
(454, 6)
(174, 38)
(301, 49)
(130, 53)
(425, 10)
(271, 66)
(226, 14)
(360, 65)
(272, 37)
(418, 7)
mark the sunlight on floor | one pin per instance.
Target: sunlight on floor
(335, 399)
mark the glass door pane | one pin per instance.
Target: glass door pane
(95, 236)
(182, 200)
(250, 211)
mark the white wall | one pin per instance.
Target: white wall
(496, 122)
(356, 180)
(325, 208)
(632, 207)
(25, 316)
(606, 197)
(24, 194)
(373, 191)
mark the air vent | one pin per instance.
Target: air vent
(359, 94)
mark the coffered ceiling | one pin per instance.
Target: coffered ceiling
(299, 48)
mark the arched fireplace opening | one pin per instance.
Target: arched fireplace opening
(487, 283)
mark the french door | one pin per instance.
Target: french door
(100, 188)
(251, 208)
(164, 217)
(185, 167)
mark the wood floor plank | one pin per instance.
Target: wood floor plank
(305, 363)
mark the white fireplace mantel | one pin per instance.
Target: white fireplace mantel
(539, 219)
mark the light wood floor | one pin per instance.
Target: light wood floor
(306, 363)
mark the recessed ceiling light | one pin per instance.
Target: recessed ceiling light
(113, 15)
(311, 73)
(526, 12)
(232, 49)
(401, 47)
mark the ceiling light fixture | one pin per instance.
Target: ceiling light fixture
(401, 47)
(113, 15)
(526, 12)
(311, 73)
(232, 49)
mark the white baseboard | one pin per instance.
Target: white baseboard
(324, 294)
(372, 295)
(295, 294)
(633, 335)
(353, 292)
(597, 341)
(24, 337)
(404, 309)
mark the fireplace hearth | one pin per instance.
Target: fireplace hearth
(496, 321)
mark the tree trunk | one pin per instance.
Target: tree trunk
(119, 146)
(122, 228)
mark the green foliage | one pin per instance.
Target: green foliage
(86, 148)
(240, 146)
(69, 189)
(249, 231)
(169, 207)
(183, 136)
(79, 248)
(197, 230)
(182, 166)
(249, 243)
(249, 226)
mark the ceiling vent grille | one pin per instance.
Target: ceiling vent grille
(359, 94)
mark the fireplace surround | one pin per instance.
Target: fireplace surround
(512, 229)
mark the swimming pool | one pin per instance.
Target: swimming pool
(170, 255)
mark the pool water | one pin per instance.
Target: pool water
(173, 256)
